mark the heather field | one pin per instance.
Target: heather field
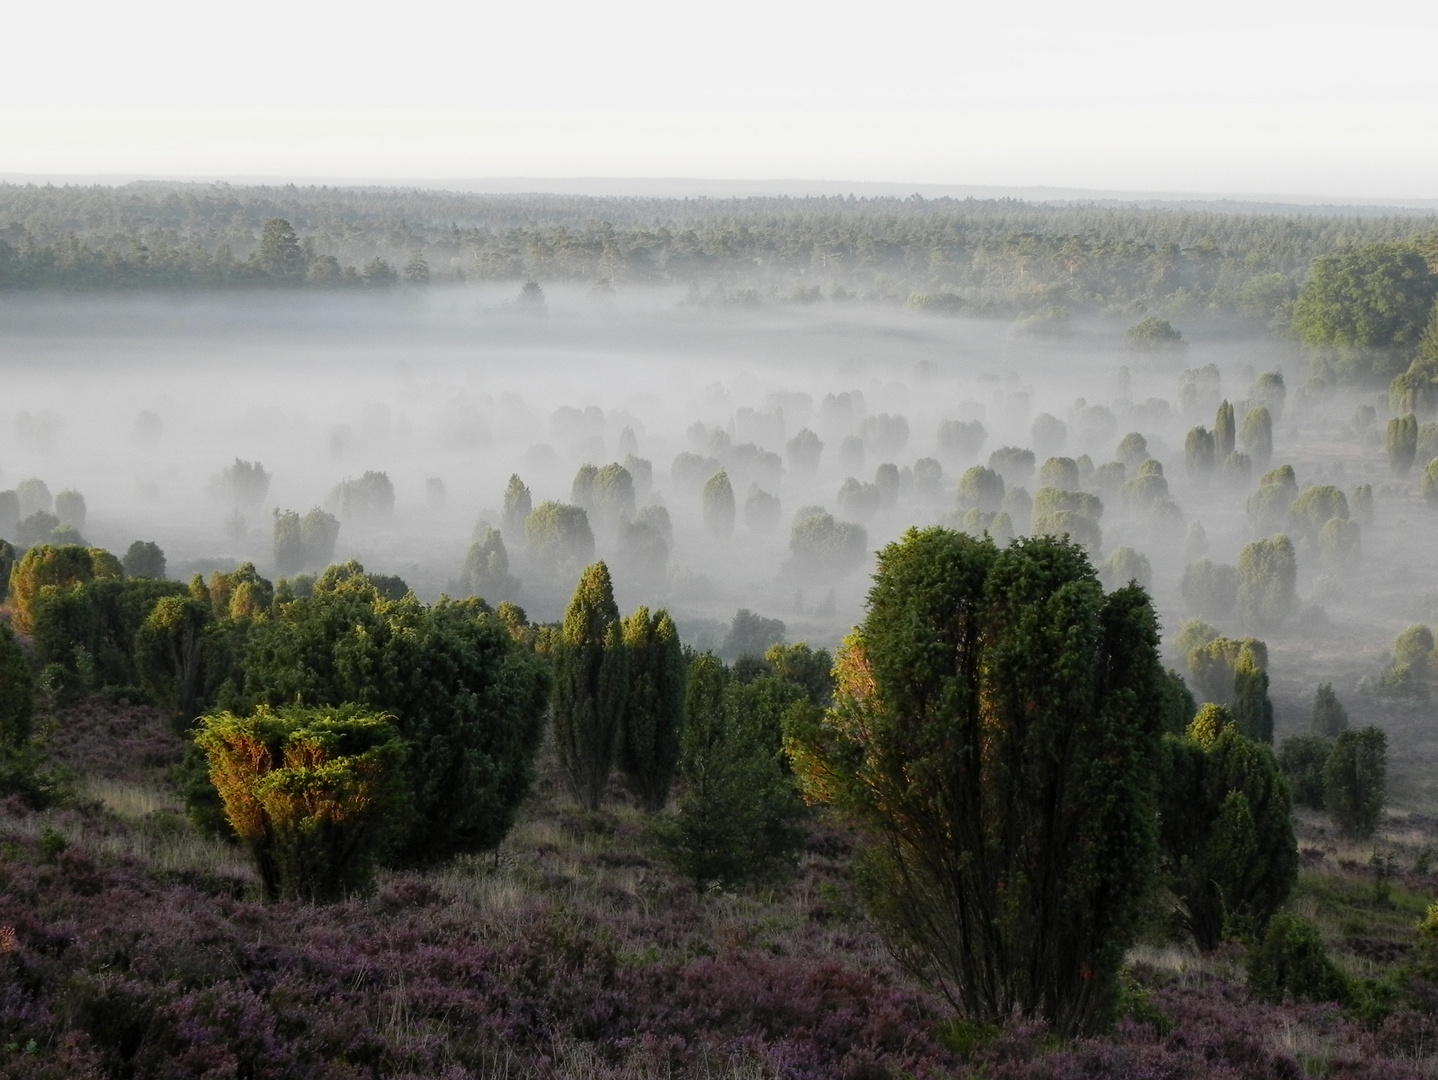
(140, 948)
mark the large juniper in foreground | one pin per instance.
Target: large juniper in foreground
(994, 733)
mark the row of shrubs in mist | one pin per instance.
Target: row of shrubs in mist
(340, 724)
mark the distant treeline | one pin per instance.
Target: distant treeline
(945, 253)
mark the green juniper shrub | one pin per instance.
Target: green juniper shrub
(17, 691)
(1304, 760)
(1290, 963)
(737, 816)
(1328, 717)
(971, 728)
(1356, 781)
(313, 794)
(654, 710)
(469, 700)
(1229, 851)
(591, 686)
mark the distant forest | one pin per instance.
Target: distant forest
(1001, 255)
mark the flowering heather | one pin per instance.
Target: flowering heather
(566, 953)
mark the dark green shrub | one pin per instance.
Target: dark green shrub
(313, 794)
(1198, 453)
(59, 566)
(971, 730)
(591, 685)
(7, 564)
(1229, 853)
(1290, 963)
(181, 656)
(468, 699)
(1328, 717)
(737, 816)
(17, 691)
(1224, 432)
(144, 559)
(654, 708)
(486, 570)
(1356, 781)
(1304, 760)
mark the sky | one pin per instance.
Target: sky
(1229, 97)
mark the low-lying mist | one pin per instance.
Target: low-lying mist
(142, 405)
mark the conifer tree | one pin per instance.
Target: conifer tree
(654, 710)
(517, 505)
(719, 508)
(1329, 717)
(591, 686)
(1356, 781)
(994, 731)
(1224, 432)
(1400, 443)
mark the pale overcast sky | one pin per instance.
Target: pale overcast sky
(1253, 97)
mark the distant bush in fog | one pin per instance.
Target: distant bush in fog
(1123, 566)
(486, 570)
(961, 438)
(560, 539)
(1400, 443)
(718, 506)
(690, 470)
(366, 501)
(244, 484)
(751, 635)
(1209, 589)
(517, 506)
(761, 510)
(34, 496)
(823, 548)
(304, 543)
(804, 450)
(1014, 463)
(981, 488)
(144, 559)
(1153, 335)
(1267, 582)
(859, 499)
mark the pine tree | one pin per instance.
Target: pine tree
(654, 710)
(591, 686)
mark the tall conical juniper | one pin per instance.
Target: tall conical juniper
(591, 685)
(654, 713)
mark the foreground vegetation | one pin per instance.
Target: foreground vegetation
(361, 861)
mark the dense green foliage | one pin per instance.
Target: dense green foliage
(1304, 761)
(311, 793)
(1356, 777)
(737, 816)
(467, 698)
(17, 692)
(654, 706)
(1229, 852)
(1290, 963)
(994, 733)
(559, 537)
(181, 655)
(1267, 582)
(1027, 257)
(591, 671)
(45, 565)
(1363, 306)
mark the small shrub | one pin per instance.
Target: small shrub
(312, 794)
(1291, 964)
